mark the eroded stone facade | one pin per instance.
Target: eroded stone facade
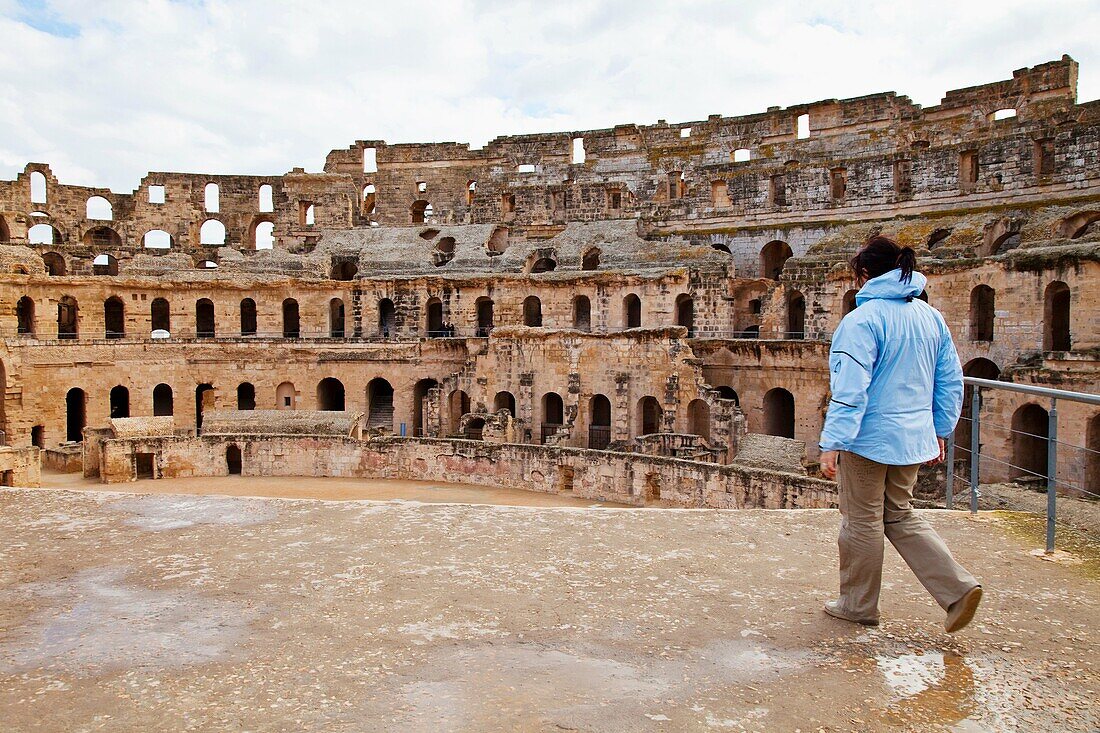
(575, 289)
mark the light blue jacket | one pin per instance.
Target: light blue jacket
(895, 376)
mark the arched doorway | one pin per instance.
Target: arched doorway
(553, 415)
(204, 400)
(159, 315)
(246, 396)
(458, 404)
(336, 318)
(292, 326)
(162, 401)
(435, 318)
(484, 316)
(773, 257)
(380, 404)
(114, 318)
(650, 416)
(582, 313)
(699, 419)
(1056, 317)
(796, 315)
(420, 397)
(685, 313)
(728, 393)
(779, 413)
(632, 311)
(599, 422)
(67, 317)
(532, 311)
(505, 401)
(330, 395)
(982, 369)
(1030, 426)
(75, 415)
(387, 318)
(204, 318)
(233, 461)
(248, 317)
(286, 397)
(120, 402)
(981, 313)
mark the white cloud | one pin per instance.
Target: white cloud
(106, 91)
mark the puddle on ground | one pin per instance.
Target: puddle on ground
(929, 687)
(96, 619)
(327, 488)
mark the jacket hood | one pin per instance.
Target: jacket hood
(889, 286)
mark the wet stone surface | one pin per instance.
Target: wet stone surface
(129, 612)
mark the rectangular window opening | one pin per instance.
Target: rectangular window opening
(156, 194)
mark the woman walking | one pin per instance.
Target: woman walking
(896, 395)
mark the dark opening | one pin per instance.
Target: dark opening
(387, 318)
(484, 316)
(55, 264)
(779, 413)
(345, 270)
(143, 465)
(1092, 440)
(246, 396)
(74, 415)
(204, 318)
(591, 259)
(66, 318)
(728, 393)
(1029, 442)
(435, 319)
(699, 419)
(543, 264)
(505, 401)
(773, 257)
(849, 303)
(380, 404)
(233, 460)
(292, 326)
(650, 416)
(204, 399)
(24, 312)
(796, 315)
(582, 313)
(553, 414)
(421, 211)
(475, 428)
(38, 436)
(685, 313)
(162, 401)
(420, 404)
(981, 313)
(632, 311)
(120, 402)
(458, 405)
(330, 395)
(114, 318)
(160, 317)
(532, 311)
(336, 318)
(248, 317)
(1056, 318)
(599, 425)
(982, 369)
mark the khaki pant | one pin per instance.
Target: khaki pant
(875, 500)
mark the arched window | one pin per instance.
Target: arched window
(582, 313)
(380, 404)
(211, 198)
(779, 413)
(543, 264)
(67, 318)
(981, 313)
(796, 315)
(286, 397)
(484, 316)
(421, 212)
(599, 422)
(773, 257)
(75, 415)
(162, 401)
(699, 419)
(387, 318)
(632, 311)
(553, 415)
(505, 401)
(292, 326)
(420, 405)
(204, 318)
(436, 328)
(650, 416)
(330, 395)
(114, 318)
(336, 318)
(685, 313)
(1056, 317)
(212, 232)
(263, 236)
(157, 239)
(160, 315)
(849, 302)
(728, 393)
(43, 234)
(1030, 425)
(24, 313)
(267, 199)
(532, 311)
(99, 209)
(38, 189)
(105, 265)
(248, 317)
(55, 264)
(246, 396)
(120, 402)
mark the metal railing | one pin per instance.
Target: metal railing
(975, 455)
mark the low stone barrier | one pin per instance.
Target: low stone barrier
(628, 478)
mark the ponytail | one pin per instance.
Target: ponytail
(881, 255)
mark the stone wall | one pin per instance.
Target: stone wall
(20, 466)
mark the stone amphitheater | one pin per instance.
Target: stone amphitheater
(635, 314)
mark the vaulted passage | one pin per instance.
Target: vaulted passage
(330, 394)
(380, 404)
(779, 413)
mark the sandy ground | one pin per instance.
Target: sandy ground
(165, 612)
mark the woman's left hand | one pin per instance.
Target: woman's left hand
(828, 463)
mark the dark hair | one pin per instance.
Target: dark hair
(881, 255)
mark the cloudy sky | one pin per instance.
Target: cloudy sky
(106, 90)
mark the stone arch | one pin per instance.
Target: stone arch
(475, 428)
(380, 404)
(590, 260)
(67, 317)
(343, 270)
(505, 401)
(982, 299)
(105, 264)
(157, 239)
(796, 315)
(498, 241)
(1078, 225)
(76, 408)
(484, 306)
(248, 317)
(1056, 317)
(773, 257)
(205, 323)
(292, 321)
(1030, 426)
(114, 318)
(650, 416)
(599, 422)
(205, 397)
(532, 311)
(434, 318)
(685, 313)
(163, 403)
(458, 404)
(233, 460)
(286, 397)
(119, 401)
(44, 234)
(98, 208)
(24, 316)
(160, 316)
(699, 418)
(336, 319)
(55, 264)
(387, 318)
(779, 413)
(261, 232)
(420, 405)
(246, 396)
(212, 231)
(582, 313)
(421, 211)
(632, 311)
(553, 415)
(330, 395)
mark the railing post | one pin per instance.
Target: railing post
(950, 493)
(975, 437)
(1052, 470)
